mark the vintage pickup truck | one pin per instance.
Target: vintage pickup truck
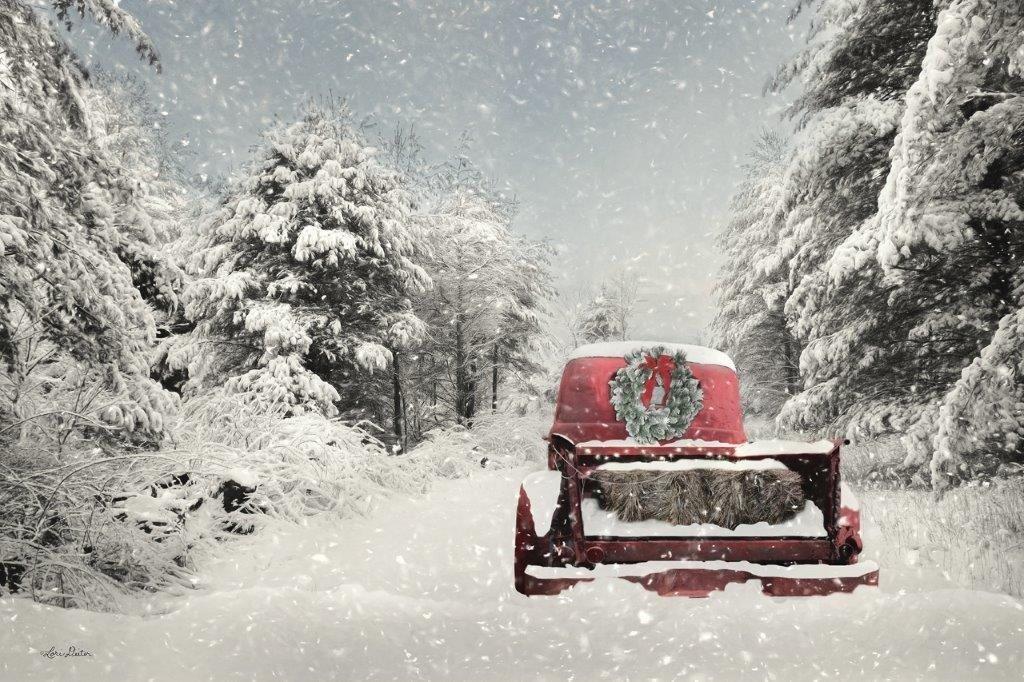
(567, 532)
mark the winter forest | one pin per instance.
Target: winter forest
(875, 252)
(270, 381)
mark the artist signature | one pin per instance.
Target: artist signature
(70, 652)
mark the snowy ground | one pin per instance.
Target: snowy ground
(423, 590)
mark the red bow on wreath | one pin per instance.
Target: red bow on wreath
(662, 367)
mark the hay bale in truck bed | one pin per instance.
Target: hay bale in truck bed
(720, 497)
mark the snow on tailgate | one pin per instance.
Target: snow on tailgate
(691, 464)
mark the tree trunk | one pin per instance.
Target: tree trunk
(461, 379)
(471, 391)
(494, 377)
(399, 402)
(791, 362)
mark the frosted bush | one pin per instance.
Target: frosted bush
(88, 526)
(496, 441)
(67, 536)
(311, 464)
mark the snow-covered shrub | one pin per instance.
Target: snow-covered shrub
(74, 440)
(87, 525)
(85, 528)
(53, 401)
(299, 465)
(309, 464)
(497, 441)
(878, 464)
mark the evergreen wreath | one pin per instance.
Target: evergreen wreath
(633, 385)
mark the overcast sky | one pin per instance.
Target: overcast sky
(620, 125)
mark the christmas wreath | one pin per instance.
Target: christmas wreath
(656, 394)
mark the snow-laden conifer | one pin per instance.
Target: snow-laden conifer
(607, 315)
(947, 233)
(860, 58)
(110, 15)
(69, 231)
(905, 319)
(304, 279)
(752, 287)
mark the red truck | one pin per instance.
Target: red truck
(565, 535)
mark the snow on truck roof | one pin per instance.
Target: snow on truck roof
(617, 349)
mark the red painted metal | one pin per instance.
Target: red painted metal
(700, 583)
(584, 413)
(773, 550)
(848, 539)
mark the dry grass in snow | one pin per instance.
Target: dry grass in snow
(973, 536)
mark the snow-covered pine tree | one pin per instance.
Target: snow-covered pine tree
(949, 236)
(860, 59)
(303, 284)
(598, 322)
(128, 128)
(65, 280)
(108, 13)
(831, 186)
(980, 422)
(608, 315)
(750, 324)
(856, 48)
(169, 203)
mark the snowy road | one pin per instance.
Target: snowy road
(422, 590)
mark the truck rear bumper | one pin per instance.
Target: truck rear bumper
(700, 578)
